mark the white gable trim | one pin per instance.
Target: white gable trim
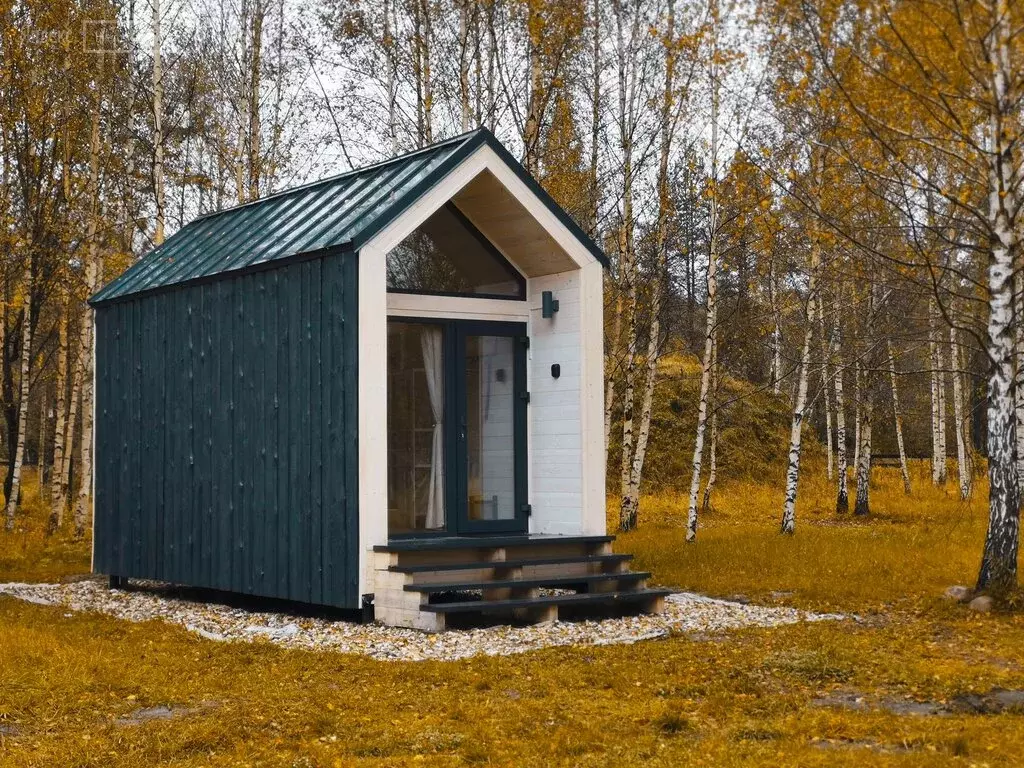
(483, 159)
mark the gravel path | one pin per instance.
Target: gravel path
(685, 612)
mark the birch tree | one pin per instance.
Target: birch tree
(826, 385)
(938, 400)
(862, 505)
(711, 321)
(709, 486)
(93, 270)
(842, 495)
(669, 115)
(970, 89)
(800, 402)
(627, 93)
(963, 469)
(898, 419)
(14, 494)
(159, 190)
(58, 502)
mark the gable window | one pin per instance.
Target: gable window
(447, 255)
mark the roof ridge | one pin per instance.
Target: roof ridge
(460, 138)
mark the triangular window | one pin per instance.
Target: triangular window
(447, 255)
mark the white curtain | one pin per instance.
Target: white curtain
(432, 342)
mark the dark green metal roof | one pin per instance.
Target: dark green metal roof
(339, 213)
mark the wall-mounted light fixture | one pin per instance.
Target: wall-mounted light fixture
(548, 304)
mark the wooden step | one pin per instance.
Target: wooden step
(486, 542)
(555, 582)
(506, 564)
(649, 596)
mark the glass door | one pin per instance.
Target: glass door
(417, 428)
(456, 427)
(491, 396)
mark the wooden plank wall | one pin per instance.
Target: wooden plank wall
(226, 434)
(556, 424)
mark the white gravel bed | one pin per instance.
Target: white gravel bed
(685, 612)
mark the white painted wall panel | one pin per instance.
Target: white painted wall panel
(556, 478)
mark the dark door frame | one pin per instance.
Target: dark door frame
(518, 523)
(457, 522)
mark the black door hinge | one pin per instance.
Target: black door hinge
(525, 340)
(525, 397)
(526, 509)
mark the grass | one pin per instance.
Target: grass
(909, 548)
(28, 554)
(746, 698)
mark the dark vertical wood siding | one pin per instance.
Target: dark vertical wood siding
(226, 434)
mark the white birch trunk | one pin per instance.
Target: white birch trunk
(800, 402)
(531, 127)
(428, 80)
(492, 58)
(940, 360)
(78, 361)
(826, 385)
(777, 361)
(25, 367)
(611, 370)
(159, 195)
(93, 271)
(842, 495)
(796, 428)
(660, 275)
(712, 288)
(627, 262)
(934, 364)
(857, 407)
(41, 442)
(628, 507)
(963, 469)
(82, 505)
(57, 502)
(1019, 383)
(647, 408)
(709, 486)
(595, 119)
(465, 102)
(998, 573)
(391, 81)
(862, 505)
(705, 381)
(898, 419)
(776, 343)
(253, 86)
(242, 102)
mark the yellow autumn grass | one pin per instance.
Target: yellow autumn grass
(28, 553)
(910, 546)
(765, 697)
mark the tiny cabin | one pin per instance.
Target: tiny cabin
(380, 389)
